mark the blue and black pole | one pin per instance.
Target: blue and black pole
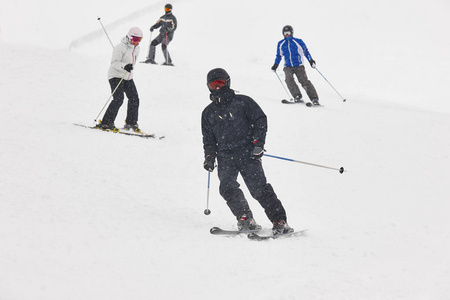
(341, 169)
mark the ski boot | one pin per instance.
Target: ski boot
(134, 127)
(247, 224)
(105, 126)
(298, 99)
(150, 61)
(315, 102)
(281, 227)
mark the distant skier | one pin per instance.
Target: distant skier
(123, 59)
(234, 131)
(294, 51)
(168, 24)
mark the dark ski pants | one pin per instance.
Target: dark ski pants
(126, 87)
(164, 40)
(300, 72)
(251, 170)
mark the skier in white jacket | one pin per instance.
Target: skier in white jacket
(120, 75)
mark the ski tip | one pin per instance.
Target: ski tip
(253, 236)
(309, 104)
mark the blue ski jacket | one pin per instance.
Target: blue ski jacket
(293, 50)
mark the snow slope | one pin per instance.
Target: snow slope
(93, 215)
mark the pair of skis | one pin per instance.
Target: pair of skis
(308, 104)
(157, 64)
(254, 234)
(125, 132)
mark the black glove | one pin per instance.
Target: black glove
(209, 163)
(274, 67)
(258, 150)
(312, 63)
(128, 68)
(152, 28)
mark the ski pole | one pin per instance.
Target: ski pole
(207, 211)
(167, 48)
(150, 45)
(331, 85)
(289, 96)
(341, 169)
(98, 18)
(111, 96)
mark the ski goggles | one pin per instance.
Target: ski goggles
(217, 84)
(136, 39)
(287, 33)
(167, 9)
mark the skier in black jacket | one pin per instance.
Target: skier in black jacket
(234, 131)
(168, 24)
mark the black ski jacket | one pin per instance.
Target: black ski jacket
(232, 122)
(168, 24)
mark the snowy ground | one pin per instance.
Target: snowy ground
(85, 214)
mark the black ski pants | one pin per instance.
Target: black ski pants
(230, 165)
(126, 87)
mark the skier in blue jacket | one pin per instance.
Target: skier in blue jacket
(294, 51)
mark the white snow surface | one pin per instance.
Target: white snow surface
(91, 215)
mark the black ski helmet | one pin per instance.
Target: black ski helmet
(288, 28)
(216, 74)
(169, 6)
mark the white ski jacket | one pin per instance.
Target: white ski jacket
(123, 54)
